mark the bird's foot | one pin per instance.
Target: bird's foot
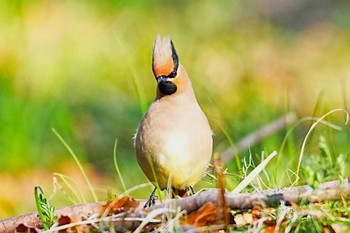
(151, 200)
(190, 191)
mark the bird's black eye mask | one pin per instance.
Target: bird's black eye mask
(175, 60)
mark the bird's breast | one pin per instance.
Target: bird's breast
(178, 143)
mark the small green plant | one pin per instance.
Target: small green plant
(320, 120)
(45, 210)
(323, 167)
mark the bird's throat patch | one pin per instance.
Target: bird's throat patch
(167, 87)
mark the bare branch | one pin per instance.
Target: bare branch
(333, 190)
(258, 135)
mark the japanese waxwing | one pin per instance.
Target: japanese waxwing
(174, 140)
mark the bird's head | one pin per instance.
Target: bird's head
(170, 75)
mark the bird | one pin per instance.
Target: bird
(173, 141)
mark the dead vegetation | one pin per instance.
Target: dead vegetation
(284, 209)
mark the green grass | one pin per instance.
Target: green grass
(76, 160)
(116, 165)
(72, 188)
(309, 132)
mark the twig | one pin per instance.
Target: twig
(333, 190)
(222, 210)
(258, 135)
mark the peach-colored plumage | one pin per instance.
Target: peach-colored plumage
(174, 140)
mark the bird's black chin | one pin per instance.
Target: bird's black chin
(167, 87)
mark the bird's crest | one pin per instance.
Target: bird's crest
(164, 60)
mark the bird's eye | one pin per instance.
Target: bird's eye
(172, 74)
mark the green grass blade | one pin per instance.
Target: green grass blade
(116, 165)
(78, 163)
(254, 173)
(65, 179)
(135, 80)
(238, 162)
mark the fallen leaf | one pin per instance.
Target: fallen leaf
(28, 229)
(206, 215)
(64, 220)
(119, 205)
(294, 205)
(270, 229)
(256, 212)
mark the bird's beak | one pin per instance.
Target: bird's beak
(163, 79)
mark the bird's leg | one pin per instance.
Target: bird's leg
(191, 190)
(188, 191)
(151, 200)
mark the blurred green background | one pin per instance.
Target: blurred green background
(84, 69)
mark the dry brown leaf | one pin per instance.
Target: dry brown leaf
(294, 205)
(206, 215)
(28, 229)
(65, 220)
(119, 205)
(259, 212)
(256, 213)
(326, 230)
(270, 229)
